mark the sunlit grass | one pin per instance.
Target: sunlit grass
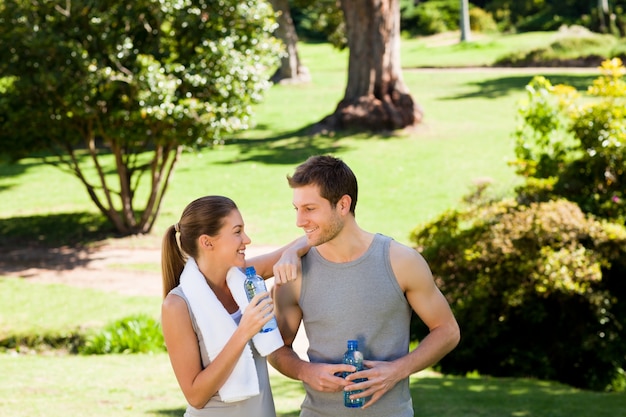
(144, 385)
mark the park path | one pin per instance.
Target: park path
(128, 266)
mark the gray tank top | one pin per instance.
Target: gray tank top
(359, 300)
(261, 405)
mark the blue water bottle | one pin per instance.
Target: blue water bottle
(355, 358)
(254, 285)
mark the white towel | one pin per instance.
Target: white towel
(265, 343)
(217, 326)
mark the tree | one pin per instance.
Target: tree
(465, 22)
(321, 17)
(603, 12)
(291, 68)
(114, 91)
(376, 97)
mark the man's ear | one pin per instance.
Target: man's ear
(344, 204)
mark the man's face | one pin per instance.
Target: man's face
(320, 220)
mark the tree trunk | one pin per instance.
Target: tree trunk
(603, 12)
(291, 69)
(465, 22)
(376, 98)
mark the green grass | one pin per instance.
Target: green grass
(484, 50)
(445, 50)
(144, 385)
(54, 311)
(497, 397)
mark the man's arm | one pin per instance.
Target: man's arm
(429, 304)
(288, 316)
(282, 263)
(416, 280)
(320, 376)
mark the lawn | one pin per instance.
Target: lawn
(144, 385)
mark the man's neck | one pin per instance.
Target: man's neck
(350, 244)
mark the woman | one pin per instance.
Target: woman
(206, 243)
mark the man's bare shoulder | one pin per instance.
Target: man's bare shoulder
(408, 265)
(402, 253)
(289, 292)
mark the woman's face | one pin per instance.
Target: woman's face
(230, 243)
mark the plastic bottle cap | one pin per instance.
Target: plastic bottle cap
(250, 270)
(353, 344)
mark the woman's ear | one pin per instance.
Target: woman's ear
(205, 241)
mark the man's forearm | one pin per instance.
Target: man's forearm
(430, 350)
(286, 361)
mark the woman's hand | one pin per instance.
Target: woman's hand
(259, 311)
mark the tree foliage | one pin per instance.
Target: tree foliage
(108, 85)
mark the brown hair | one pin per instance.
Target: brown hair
(203, 216)
(333, 177)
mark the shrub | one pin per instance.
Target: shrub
(619, 50)
(481, 20)
(538, 290)
(573, 47)
(429, 18)
(134, 334)
(42, 342)
(578, 141)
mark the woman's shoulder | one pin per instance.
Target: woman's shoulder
(175, 300)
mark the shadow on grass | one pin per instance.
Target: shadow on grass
(485, 396)
(295, 146)
(61, 239)
(502, 86)
(9, 169)
(179, 412)
(173, 412)
(290, 414)
(473, 397)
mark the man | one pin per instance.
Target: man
(355, 285)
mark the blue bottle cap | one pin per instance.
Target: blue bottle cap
(250, 270)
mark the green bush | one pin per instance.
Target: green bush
(481, 20)
(544, 20)
(42, 342)
(538, 290)
(574, 47)
(619, 50)
(134, 334)
(579, 142)
(429, 18)
(584, 44)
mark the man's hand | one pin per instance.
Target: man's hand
(286, 269)
(325, 377)
(381, 377)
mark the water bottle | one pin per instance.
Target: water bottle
(355, 358)
(254, 285)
